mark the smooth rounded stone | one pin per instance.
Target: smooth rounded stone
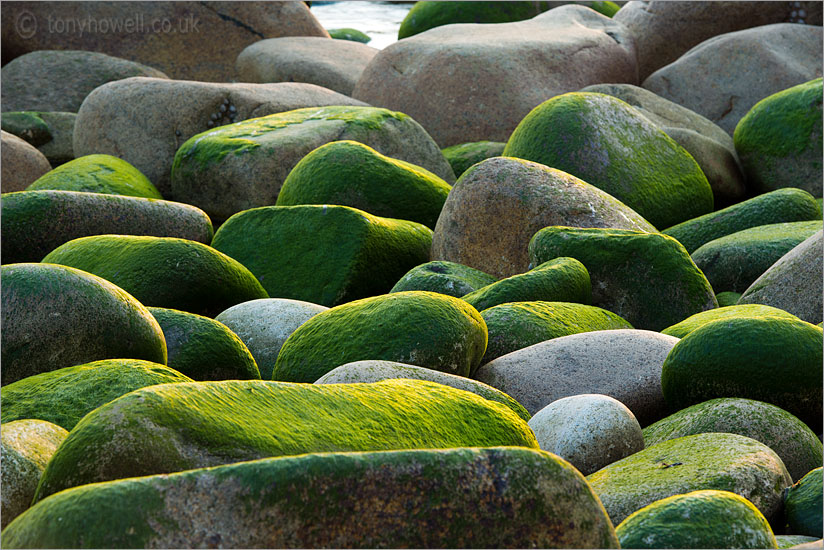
(727, 298)
(163, 271)
(623, 364)
(59, 80)
(421, 328)
(185, 40)
(793, 283)
(735, 261)
(779, 140)
(464, 155)
(803, 504)
(349, 173)
(264, 325)
(25, 448)
(769, 359)
(428, 15)
(97, 174)
(558, 51)
(588, 430)
(810, 545)
(314, 60)
(326, 255)
(780, 206)
(497, 206)
(21, 163)
(50, 132)
(720, 461)
(36, 222)
(723, 77)
(174, 427)
(203, 348)
(599, 138)
(347, 33)
(123, 118)
(444, 277)
(519, 325)
(367, 371)
(55, 316)
(679, 330)
(646, 278)
(66, 395)
(27, 125)
(485, 498)
(790, 541)
(791, 439)
(698, 519)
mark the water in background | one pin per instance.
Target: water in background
(380, 20)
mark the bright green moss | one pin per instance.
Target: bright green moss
(27, 125)
(98, 174)
(604, 7)
(428, 15)
(444, 277)
(349, 34)
(803, 505)
(679, 330)
(464, 155)
(728, 298)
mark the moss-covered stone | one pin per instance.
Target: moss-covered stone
(444, 277)
(518, 325)
(450, 498)
(175, 427)
(727, 298)
(66, 395)
(646, 278)
(420, 328)
(163, 271)
(464, 155)
(803, 505)
(326, 255)
(604, 7)
(609, 144)
(699, 519)
(50, 132)
(97, 174)
(789, 541)
(347, 33)
(27, 125)
(428, 15)
(679, 330)
(349, 173)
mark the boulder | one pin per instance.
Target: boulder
(55, 131)
(792, 541)
(803, 503)
(464, 155)
(679, 330)
(428, 15)
(21, 163)
(445, 277)
(727, 298)
(97, 174)
(347, 33)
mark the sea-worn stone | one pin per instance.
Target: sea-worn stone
(347, 33)
(727, 298)
(497, 206)
(791, 541)
(55, 316)
(97, 174)
(679, 330)
(803, 504)
(21, 163)
(50, 132)
(445, 277)
(464, 155)
(428, 15)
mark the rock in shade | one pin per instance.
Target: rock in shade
(21, 163)
(679, 330)
(97, 174)
(802, 505)
(445, 277)
(464, 155)
(56, 131)
(795, 541)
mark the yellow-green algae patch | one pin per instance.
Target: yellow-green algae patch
(679, 330)
(97, 174)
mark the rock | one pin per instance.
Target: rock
(444, 277)
(59, 80)
(349, 173)
(518, 325)
(735, 261)
(791, 439)
(56, 316)
(679, 330)
(588, 430)
(623, 364)
(21, 163)
(163, 271)
(426, 329)
(169, 112)
(55, 131)
(633, 273)
(793, 283)
(244, 165)
(360, 372)
(802, 505)
(724, 462)
(434, 76)
(97, 174)
(175, 427)
(28, 126)
(64, 396)
(500, 497)
(464, 155)
(36, 222)
(727, 298)
(203, 348)
(698, 519)
(263, 325)
(314, 60)
(349, 34)
(779, 140)
(810, 545)
(599, 139)
(497, 206)
(723, 77)
(189, 41)
(790, 541)
(25, 447)
(326, 255)
(769, 359)
(428, 15)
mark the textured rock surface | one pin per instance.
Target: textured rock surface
(803, 503)
(679, 330)
(464, 155)
(56, 129)
(445, 277)
(21, 163)
(97, 174)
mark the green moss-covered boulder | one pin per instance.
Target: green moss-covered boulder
(97, 174)
(779, 140)
(64, 396)
(444, 277)
(609, 144)
(163, 271)
(420, 328)
(679, 330)
(791, 439)
(517, 325)
(428, 15)
(724, 462)
(789, 541)
(174, 427)
(727, 298)
(803, 505)
(780, 206)
(450, 498)
(326, 255)
(347, 33)
(769, 359)
(464, 155)
(352, 174)
(735, 261)
(699, 519)
(203, 348)
(50, 132)
(55, 316)
(646, 278)
(27, 125)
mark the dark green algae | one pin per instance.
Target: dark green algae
(27, 125)
(803, 505)
(450, 278)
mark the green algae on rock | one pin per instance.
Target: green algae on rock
(444, 277)
(791, 541)
(679, 330)
(347, 33)
(428, 15)
(727, 298)
(27, 125)
(97, 174)
(464, 155)
(803, 504)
